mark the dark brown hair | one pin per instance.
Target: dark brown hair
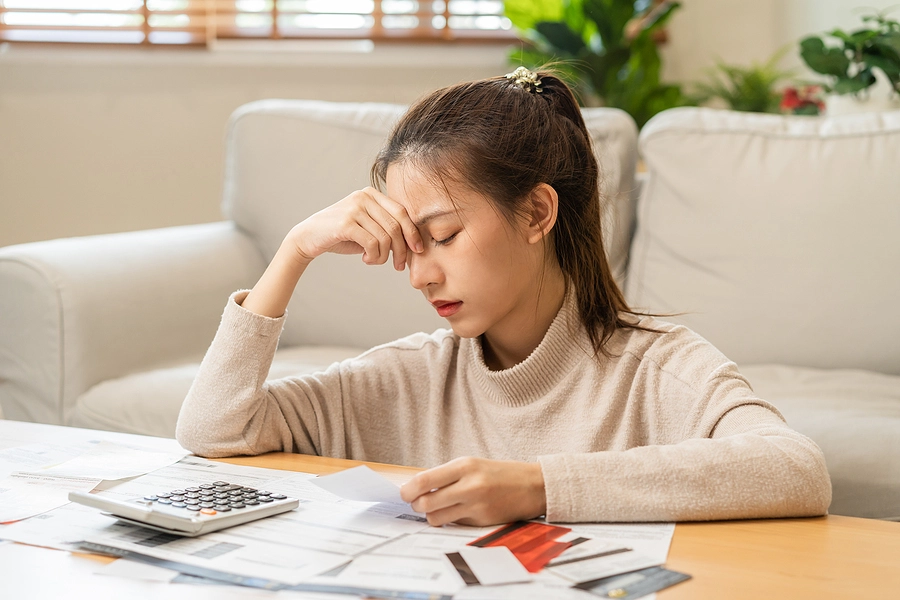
(502, 140)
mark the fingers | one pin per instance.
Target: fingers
(432, 479)
(375, 241)
(457, 513)
(394, 231)
(398, 212)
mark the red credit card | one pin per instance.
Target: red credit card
(532, 543)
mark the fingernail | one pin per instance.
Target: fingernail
(419, 247)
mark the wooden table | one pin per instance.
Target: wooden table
(825, 557)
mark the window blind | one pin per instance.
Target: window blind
(201, 22)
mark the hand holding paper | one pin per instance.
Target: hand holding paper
(478, 491)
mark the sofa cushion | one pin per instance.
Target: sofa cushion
(287, 159)
(148, 403)
(854, 416)
(777, 236)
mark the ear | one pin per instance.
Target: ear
(543, 213)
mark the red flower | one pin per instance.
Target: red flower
(790, 100)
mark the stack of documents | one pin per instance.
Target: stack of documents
(37, 478)
(351, 534)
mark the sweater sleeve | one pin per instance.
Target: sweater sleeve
(230, 409)
(746, 464)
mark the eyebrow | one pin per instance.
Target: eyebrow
(432, 215)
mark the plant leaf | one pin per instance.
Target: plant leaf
(525, 14)
(560, 37)
(821, 59)
(610, 16)
(855, 84)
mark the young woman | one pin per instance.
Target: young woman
(548, 396)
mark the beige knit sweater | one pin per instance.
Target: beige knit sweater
(667, 430)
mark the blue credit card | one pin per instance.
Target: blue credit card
(635, 584)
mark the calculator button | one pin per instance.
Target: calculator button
(194, 508)
(191, 502)
(206, 498)
(221, 495)
(251, 502)
(207, 511)
(220, 483)
(264, 493)
(250, 496)
(237, 505)
(231, 486)
(164, 495)
(278, 497)
(206, 486)
(178, 492)
(151, 498)
(192, 489)
(178, 498)
(193, 495)
(222, 507)
(179, 504)
(264, 499)
(164, 501)
(236, 493)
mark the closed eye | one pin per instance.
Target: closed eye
(446, 240)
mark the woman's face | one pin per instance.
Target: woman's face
(478, 270)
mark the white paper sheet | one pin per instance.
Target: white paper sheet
(586, 549)
(432, 543)
(107, 460)
(494, 566)
(24, 495)
(36, 456)
(423, 575)
(224, 551)
(130, 569)
(649, 539)
(361, 484)
(604, 566)
(61, 528)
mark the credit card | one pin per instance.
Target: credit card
(632, 585)
(532, 543)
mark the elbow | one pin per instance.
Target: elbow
(190, 436)
(810, 488)
(819, 491)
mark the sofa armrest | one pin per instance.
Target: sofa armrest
(75, 312)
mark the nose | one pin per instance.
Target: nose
(423, 269)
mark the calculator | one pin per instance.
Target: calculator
(194, 510)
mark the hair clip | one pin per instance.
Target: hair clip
(525, 79)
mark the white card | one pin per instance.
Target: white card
(359, 483)
(494, 566)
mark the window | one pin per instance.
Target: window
(202, 22)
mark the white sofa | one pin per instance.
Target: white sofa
(774, 237)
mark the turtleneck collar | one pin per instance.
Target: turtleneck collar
(564, 345)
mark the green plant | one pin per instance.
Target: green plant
(607, 47)
(750, 89)
(851, 58)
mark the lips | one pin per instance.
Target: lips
(445, 308)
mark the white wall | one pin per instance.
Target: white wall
(95, 141)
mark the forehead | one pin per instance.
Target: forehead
(424, 194)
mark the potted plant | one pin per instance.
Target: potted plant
(751, 89)
(855, 61)
(607, 47)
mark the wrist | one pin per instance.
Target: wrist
(538, 489)
(292, 249)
